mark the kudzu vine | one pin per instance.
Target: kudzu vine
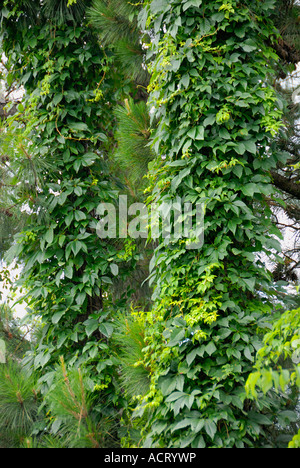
(210, 73)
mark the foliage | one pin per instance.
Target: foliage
(73, 413)
(202, 334)
(278, 363)
(68, 271)
(19, 403)
(174, 376)
(21, 175)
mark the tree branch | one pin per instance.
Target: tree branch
(4, 113)
(285, 184)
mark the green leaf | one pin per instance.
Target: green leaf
(68, 271)
(77, 164)
(78, 191)
(106, 329)
(80, 215)
(62, 198)
(192, 3)
(10, 79)
(191, 356)
(232, 224)
(76, 246)
(210, 348)
(61, 139)
(26, 77)
(106, 280)
(250, 146)
(61, 240)
(259, 418)
(181, 424)
(175, 396)
(250, 283)
(88, 159)
(79, 126)
(192, 133)
(49, 236)
(210, 428)
(167, 385)
(248, 355)
(176, 337)
(45, 359)
(33, 42)
(249, 45)
(114, 269)
(224, 333)
(200, 133)
(251, 384)
(240, 148)
(223, 132)
(178, 179)
(210, 120)
(57, 99)
(91, 325)
(158, 6)
(57, 316)
(80, 298)
(250, 189)
(185, 80)
(69, 218)
(238, 170)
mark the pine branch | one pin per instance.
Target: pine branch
(133, 134)
(59, 12)
(116, 23)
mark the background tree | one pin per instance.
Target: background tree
(202, 333)
(71, 88)
(285, 177)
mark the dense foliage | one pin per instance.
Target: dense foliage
(208, 310)
(68, 270)
(107, 90)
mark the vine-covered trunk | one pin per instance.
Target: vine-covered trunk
(210, 70)
(67, 122)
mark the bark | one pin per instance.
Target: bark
(4, 113)
(287, 52)
(290, 186)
